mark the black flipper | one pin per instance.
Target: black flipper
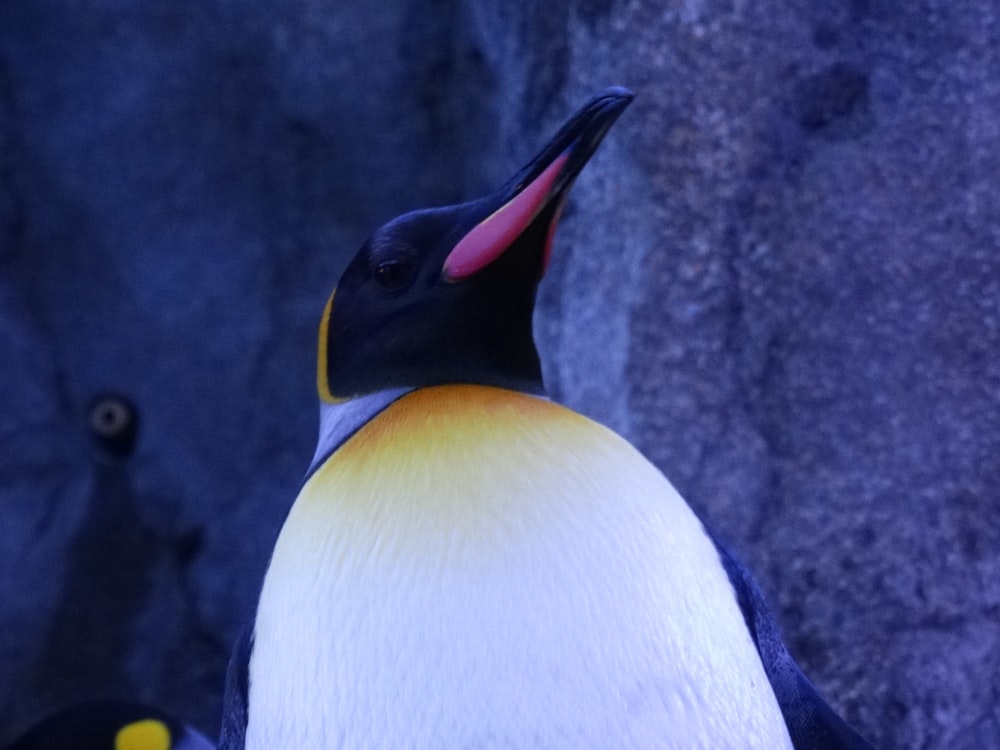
(812, 724)
(234, 704)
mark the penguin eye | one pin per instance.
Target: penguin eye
(393, 274)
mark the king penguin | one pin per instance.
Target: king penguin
(470, 565)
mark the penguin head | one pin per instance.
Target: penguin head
(446, 295)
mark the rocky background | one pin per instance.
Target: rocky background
(780, 277)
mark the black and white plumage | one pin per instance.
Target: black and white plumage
(470, 565)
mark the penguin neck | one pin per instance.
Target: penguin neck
(339, 420)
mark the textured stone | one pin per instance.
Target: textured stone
(780, 277)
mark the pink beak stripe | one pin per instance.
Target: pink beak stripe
(488, 239)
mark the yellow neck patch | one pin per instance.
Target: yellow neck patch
(322, 373)
(146, 734)
(440, 459)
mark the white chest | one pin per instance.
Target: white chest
(540, 585)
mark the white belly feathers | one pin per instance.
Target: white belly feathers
(478, 568)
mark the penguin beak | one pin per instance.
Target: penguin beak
(543, 183)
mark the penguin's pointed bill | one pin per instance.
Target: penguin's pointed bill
(446, 295)
(543, 183)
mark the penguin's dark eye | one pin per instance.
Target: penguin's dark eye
(392, 275)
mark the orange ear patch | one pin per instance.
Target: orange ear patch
(322, 379)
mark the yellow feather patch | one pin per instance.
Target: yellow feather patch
(442, 460)
(322, 378)
(146, 734)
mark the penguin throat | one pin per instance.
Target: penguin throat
(339, 420)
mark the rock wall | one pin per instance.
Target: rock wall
(780, 278)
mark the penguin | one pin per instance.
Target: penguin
(110, 725)
(471, 565)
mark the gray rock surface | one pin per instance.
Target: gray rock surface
(780, 277)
